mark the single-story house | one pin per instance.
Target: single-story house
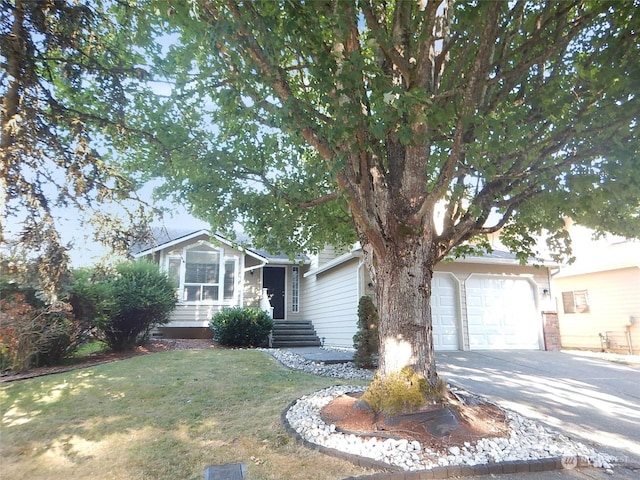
(486, 302)
(598, 296)
(212, 273)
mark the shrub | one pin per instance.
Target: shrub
(241, 327)
(124, 306)
(366, 342)
(402, 392)
(33, 336)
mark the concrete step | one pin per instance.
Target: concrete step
(295, 343)
(294, 333)
(297, 331)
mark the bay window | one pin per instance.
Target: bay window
(202, 273)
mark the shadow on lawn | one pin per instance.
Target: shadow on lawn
(165, 415)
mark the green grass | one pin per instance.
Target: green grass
(161, 416)
(88, 348)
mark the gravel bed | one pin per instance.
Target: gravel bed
(527, 440)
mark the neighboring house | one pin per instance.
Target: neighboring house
(598, 296)
(478, 303)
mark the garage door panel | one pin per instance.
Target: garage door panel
(444, 313)
(502, 313)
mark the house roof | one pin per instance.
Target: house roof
(163, 238)
(496, 257)
(501, 257)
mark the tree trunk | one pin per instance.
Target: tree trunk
(403, 288)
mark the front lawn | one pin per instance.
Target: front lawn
(161, 416)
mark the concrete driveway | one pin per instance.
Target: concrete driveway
(589, 399)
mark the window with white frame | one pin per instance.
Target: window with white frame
(229, 278)
(575, 302)
(295, 289)
(203, 274)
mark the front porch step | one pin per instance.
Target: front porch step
(294, 333)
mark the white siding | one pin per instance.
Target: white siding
(192, 315)
(330, 301)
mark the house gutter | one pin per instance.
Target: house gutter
(255, 267)
(335, 262)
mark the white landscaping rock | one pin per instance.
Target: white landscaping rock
(526, 441)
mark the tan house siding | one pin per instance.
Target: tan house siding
(252, 289)
(333, 305)
(614, 297)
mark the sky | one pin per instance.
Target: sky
(85, 251)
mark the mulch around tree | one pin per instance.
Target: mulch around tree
(435, 426)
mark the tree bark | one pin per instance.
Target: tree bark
(403, 288)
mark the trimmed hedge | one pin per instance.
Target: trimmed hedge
(241, 327)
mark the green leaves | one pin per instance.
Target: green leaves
(374, 115)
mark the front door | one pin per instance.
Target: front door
(273, 281)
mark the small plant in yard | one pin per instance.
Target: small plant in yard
(241, 327)
(401, 392)
(366, 340)
(124, 306)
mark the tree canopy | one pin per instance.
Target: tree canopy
(419, 125)
(414, 126)
(68, 86)
(299, 117)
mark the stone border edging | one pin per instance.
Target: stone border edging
(355, 459)
(391, 472)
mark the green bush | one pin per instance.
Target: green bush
(366, 341)
(241, 327)
(125, 305)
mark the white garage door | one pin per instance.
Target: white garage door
(444, 295)
(502, 313)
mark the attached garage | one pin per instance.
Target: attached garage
(444, 312)
(502, 313)
(477, 303)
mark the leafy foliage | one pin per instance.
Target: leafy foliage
(401, 392)
(366, 342)
(241, 327)
(380, 115)
(33, 333)
(126, 304)
(416, 126)
(67, 81)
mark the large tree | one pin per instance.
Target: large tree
(68, 85)
(418, 125)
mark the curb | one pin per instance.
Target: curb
(391, 472)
